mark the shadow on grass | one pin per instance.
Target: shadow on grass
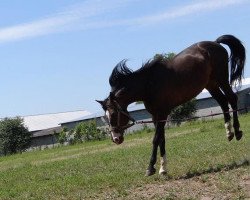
(218, 168)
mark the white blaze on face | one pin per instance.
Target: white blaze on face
(108, 116)
(115, 135)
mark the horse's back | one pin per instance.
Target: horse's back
(214, 49)
(201, 52)
(192, 63)
(194, 68)
(204, 59)
(218, 60)
(190, 71)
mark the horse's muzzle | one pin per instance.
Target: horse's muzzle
(118, 140)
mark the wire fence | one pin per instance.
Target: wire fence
(245, 109)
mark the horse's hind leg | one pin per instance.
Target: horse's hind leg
(232, 98)
(216, 93)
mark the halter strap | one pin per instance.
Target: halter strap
(121, 111)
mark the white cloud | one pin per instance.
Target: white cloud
(36, 28)
(82, 16)
(189, 9)
(169, 14)
(61, 21)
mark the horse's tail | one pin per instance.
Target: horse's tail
(237, 57)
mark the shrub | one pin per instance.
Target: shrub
(86, 131)
(14, 136)
(62, 136)
(83, 132)
(183, 112)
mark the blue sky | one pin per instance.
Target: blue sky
(57, 55)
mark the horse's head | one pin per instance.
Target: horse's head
(117, 116)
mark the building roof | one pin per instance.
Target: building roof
(48, 121)
(131, 108)
(205, 94)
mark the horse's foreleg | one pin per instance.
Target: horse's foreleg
(163, 167)
(159, 139)
(151, 169)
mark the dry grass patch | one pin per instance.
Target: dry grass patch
(227, 185)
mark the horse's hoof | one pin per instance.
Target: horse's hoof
(238, 135)
(150, 172)
(230, 137)
(163, 173)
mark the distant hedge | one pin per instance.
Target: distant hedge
(83, 132)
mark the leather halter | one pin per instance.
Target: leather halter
(120, 112)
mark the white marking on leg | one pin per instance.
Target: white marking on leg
(228, 127)
(163, 168)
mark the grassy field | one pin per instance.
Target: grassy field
(201, 164)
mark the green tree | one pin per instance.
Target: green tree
(62, 136)
(14, 136)
(165, 56)
(82, 132)
(183, 112)
(86, 131)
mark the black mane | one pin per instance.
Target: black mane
(119, 73)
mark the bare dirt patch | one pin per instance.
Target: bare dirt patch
(227, 185)
(245, 183)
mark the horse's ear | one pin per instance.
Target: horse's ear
(100, 102)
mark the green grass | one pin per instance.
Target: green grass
(103, 169)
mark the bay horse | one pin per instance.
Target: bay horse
(164, 84)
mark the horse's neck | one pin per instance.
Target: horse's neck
(135, 90)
